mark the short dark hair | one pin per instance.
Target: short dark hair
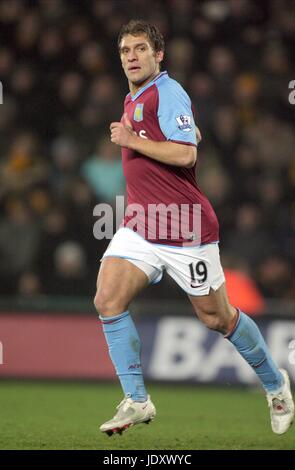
(136, 27)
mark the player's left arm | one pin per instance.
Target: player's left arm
(176, 121)
(198, 134)
(171, 153)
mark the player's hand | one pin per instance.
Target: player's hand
(122, 133)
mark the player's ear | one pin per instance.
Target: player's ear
(159, 56)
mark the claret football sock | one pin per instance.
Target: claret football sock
(248, 340)
(124, 349)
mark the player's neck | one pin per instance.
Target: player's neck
(134, 88)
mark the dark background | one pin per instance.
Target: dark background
(62, 86)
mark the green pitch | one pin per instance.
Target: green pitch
(67, 416)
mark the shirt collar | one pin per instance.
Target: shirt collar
(149, 84)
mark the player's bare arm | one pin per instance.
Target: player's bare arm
(170, 153)
(198, 134)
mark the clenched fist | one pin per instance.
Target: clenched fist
(122, 133)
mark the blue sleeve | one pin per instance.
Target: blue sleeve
(175, 114)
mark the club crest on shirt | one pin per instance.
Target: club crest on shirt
(138, 112)
(184, 123)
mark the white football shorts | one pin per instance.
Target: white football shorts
(195, 269)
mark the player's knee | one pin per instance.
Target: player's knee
(102, 303)
(215, 322)
(107, 305)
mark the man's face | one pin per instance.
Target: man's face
(139, 61)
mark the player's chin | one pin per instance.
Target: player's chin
(137, 80)
(134, 78)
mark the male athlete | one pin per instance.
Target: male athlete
(159, 139)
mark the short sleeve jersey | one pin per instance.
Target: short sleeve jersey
(165, 204)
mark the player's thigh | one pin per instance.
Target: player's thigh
(118, 283)
(198, 271)
(214, 309)
(216, 301)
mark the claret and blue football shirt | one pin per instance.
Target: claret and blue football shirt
(162, 111)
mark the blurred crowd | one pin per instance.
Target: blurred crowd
(62, 86)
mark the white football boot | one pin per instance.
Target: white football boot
(129, 413)
(281, 406)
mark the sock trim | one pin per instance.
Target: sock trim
(114, 319)
(233, 329)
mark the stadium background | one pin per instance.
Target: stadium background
(62, 86)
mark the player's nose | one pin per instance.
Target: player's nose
(132, 56)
